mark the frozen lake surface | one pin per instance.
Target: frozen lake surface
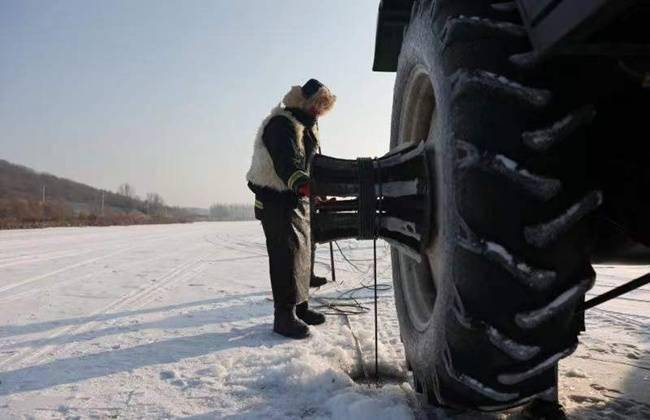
(175, 321)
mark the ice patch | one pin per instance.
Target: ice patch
(358, 406)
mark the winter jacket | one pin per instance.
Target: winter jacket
(284, 148)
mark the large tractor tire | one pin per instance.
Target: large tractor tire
(489, 311)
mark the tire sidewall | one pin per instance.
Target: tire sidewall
(424, 347)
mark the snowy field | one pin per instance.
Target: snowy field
(175, 321)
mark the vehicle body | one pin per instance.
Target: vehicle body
(518, 158)
(589, 27)
(607, 30)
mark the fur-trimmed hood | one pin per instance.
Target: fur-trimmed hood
(322, 101)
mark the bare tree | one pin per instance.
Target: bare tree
(155, 204)
(126, 190)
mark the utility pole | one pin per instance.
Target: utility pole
(43, 205)
(102, 210)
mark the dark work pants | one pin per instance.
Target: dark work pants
(288, 243)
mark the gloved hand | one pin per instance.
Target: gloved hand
(304, 190)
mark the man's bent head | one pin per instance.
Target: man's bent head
(313, 97)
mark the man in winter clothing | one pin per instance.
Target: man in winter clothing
(279, 176)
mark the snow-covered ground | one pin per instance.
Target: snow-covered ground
(175, 321)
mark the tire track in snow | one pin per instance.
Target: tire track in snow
(226, 242)
(143, 242)
(103, 240)
(34, 253)
(122, 266)
(187, 272)
(53, 237)
(48, 256)
(34, 355)
(73, 328)
(62, 270)
(38, 256)
(15, 250)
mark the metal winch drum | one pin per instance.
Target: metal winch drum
(387, 197)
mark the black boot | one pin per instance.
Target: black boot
(317, 281)
(285, 323)
(309, 316)
(541, 409)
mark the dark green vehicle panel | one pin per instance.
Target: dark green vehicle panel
(589, 27)
(569, 26)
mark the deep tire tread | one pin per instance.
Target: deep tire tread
(484, 56)
(543, 139)
(536, 279)
(513, 349)
(538, 186)
(543, 234)
(468, 28)
(518, 377)
(464, 81)
(564, 302)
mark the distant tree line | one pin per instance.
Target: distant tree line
(32, 199)
(231, 212)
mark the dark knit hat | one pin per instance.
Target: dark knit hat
(311, 87)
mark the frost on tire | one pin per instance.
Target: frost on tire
(498, 271)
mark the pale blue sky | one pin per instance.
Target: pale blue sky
(168, 95)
